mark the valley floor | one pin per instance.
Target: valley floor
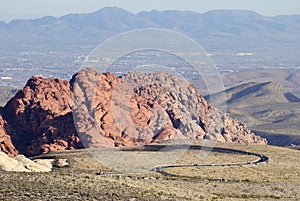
(277, 179)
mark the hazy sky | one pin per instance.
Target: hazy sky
(12, 9)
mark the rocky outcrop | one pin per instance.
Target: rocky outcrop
(6, 144)
(20, 163)
(92, 109)
(140, 108)
(10, 164)
(108, 111)
(40, 116)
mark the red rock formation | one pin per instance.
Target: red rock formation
(108, 111)
(41, 117)
(143, 108)
(6, 145)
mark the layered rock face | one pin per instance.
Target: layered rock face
(40, 117)
(6, 144)
(140, 108)
(109, 111)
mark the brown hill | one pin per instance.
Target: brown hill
(156, 107)
(266, 107)
(288, 77)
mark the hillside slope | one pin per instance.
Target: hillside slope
(268, 108)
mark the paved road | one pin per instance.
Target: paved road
(261, 158)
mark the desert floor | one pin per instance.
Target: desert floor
(276, 179)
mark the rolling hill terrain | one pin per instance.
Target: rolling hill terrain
(267, 108)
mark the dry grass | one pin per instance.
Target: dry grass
(278, 179)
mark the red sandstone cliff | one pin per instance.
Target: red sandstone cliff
(108, 111)
(40, 117)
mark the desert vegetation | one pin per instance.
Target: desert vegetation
(277, 179)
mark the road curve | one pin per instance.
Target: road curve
(261, 158)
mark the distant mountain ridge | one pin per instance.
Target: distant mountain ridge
(218, 25)
(267, 108)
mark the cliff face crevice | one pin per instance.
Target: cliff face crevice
(6, 144)
(102, 110)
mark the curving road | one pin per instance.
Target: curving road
(262, 158)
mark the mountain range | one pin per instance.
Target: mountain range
(213, 29)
